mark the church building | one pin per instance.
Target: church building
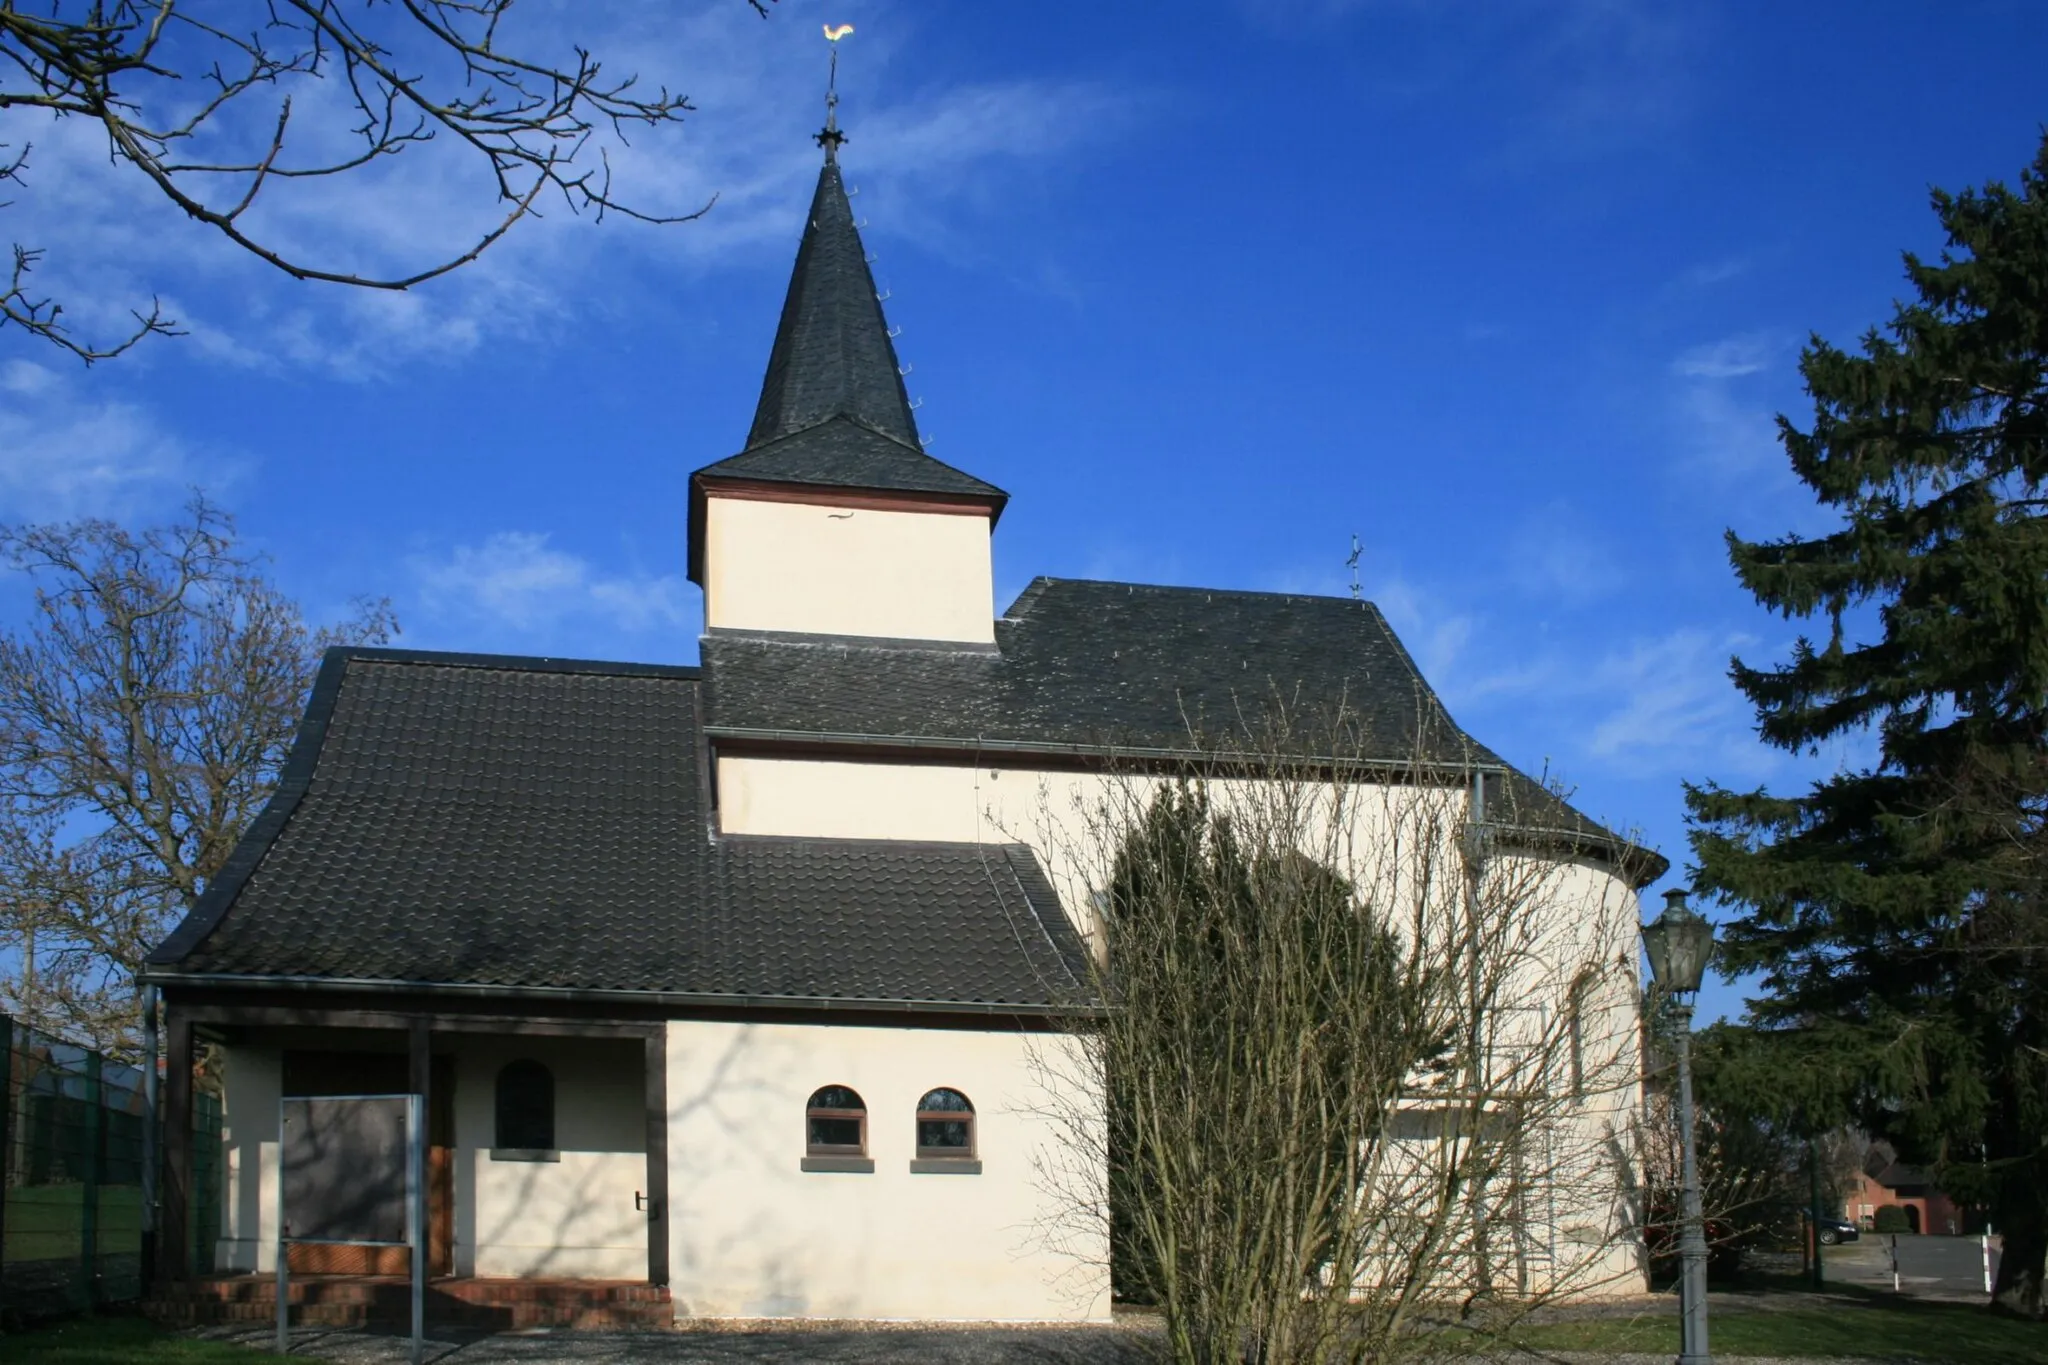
(737, 981)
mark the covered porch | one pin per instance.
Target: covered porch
(546, 1156)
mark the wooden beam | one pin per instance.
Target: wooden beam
(276, 1016)
(174, 1245)
(656, 1050)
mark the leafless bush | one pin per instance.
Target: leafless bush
(1362, 1061)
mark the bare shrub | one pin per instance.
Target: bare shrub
(1361, 1058)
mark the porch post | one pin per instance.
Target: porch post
(420, 1062)
(174, 1245)
(657, 1155)
(420, 1081)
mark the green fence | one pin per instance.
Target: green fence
(71, 1135)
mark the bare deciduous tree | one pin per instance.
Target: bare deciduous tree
(1364, 1063)
(176, 86)
(145, 711)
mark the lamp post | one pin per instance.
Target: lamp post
(1679, 943)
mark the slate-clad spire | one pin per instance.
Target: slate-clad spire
(833, 413)
(832, 354)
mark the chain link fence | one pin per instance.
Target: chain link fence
(72, 1149)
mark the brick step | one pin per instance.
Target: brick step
(359, 1301)
(263, 1289)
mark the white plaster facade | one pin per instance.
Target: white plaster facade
(841, 566)
(754, 1235)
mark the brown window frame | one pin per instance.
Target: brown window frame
(971, 1152)
(835, 1149)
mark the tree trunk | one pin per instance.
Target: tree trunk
(2017, 1290)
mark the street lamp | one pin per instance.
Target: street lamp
(1679, 944)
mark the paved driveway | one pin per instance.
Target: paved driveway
(1929, 1267)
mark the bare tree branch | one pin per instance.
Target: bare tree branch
(415, 71)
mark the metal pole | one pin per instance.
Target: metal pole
(149, 1134)
(1987, 1258)
(1693, 1236)
(284, 1232)
(95, 1175)
(6, 1126)
(416, 1216)
(1813, 1173)
(284, 1292)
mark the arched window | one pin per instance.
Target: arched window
(945, 1126)
(836, 1123)
(526, 1107)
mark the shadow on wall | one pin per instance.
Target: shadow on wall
(691, 1183)
(567, 1211)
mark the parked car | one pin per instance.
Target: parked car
(1833, 1230)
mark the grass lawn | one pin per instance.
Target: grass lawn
(121, 1341)
(1879, 1327)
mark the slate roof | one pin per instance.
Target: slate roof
(833, 411)
(841, 451)
(534, 824)
(832, 354)
(1125, 668)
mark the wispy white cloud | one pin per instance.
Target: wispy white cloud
(1436, 633)
(1729, 358)
(1647, 705)
(65, 453)
(1722, 417)
(1556, 556)
(1707, 274)
(938, 149)
(1666, 701)
(517, 585)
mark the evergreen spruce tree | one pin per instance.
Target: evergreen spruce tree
(1899, 912)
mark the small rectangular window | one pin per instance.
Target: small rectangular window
(943, 1137)
(835, 1134)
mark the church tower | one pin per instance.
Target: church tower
(833, 520)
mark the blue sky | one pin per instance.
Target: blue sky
(1509, 289)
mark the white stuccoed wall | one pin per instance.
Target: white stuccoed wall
(570, 1218)
(840, 570)
(1594, 913)
(755, 1236)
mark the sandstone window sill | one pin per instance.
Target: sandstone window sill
(839, 1165)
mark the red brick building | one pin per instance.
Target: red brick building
(1927, 1208)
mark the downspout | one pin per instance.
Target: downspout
(1475, 844)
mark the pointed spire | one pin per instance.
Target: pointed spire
(832, 355)
(833, 412)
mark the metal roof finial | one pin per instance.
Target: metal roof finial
(829, 137)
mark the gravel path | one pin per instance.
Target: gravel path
(812, 1346)
(822, 1345)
